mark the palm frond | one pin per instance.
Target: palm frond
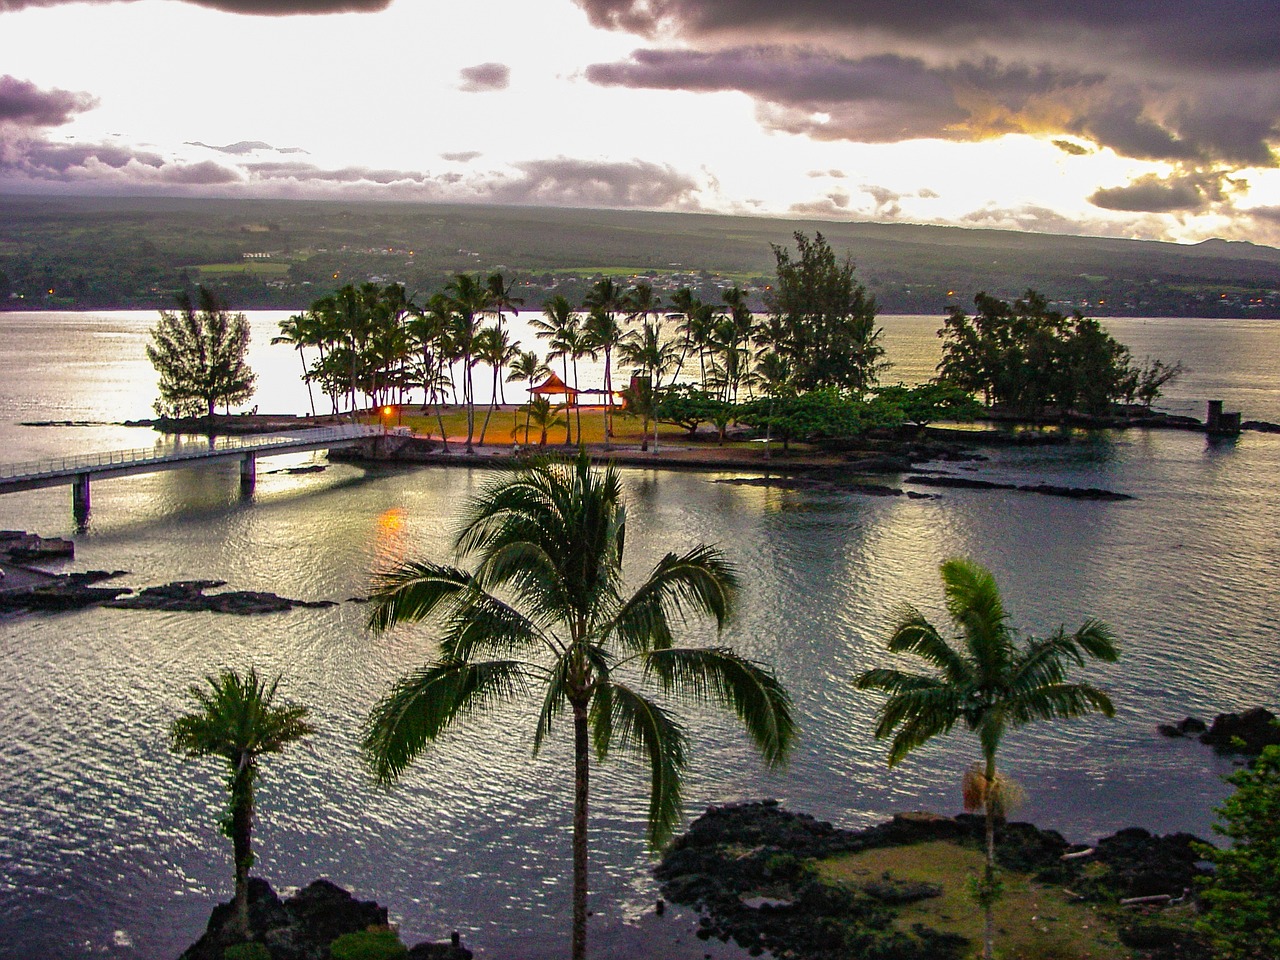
(424, 704)
(482, 622)
(913, 634)
(1060, 700)
(699, 582)
(641, 727)
(412, 592)
(554, 700)
(720, 676)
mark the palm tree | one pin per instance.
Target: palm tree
(500, 299)
(989, 681)
(469, 299)
(547, 600)
(603, 332)
(296, 331)
(237, 720)
(528, 366)
(543, 415)
(558, 325)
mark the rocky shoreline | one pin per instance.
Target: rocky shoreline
(30, 589)
(747, 868)
(303, 926)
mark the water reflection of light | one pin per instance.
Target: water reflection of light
(391, 540)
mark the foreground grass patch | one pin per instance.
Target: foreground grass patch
(1033, 921)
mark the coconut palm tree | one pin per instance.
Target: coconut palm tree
(469, 299)
(529, 367)
(296, 331)
(547, 602)
(559, 326)
(603, 332)
(989, 681)
(544, 415)
(238, 720)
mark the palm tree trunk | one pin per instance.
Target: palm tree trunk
(988, 921)
(307, 380)
(581, 776)
(493, 405)
(242, 843)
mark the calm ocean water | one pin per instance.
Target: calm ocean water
(109, 844)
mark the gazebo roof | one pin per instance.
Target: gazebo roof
(553, 384)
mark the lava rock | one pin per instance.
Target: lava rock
(299, 928)
(1254, 729)
(1186, 727)
(190, 595)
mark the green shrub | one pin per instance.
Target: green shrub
(1242, 901)
(368, 945)
(246, 951)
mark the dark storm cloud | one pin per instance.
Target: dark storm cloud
(266, 8)
(1209, 33)
(890, 97)
(1193, 191)
(881, 98)
(484, 77)
(244, 147)
(583, 183)
(23, 104)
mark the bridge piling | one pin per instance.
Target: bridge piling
(80, 498)
(248, 473)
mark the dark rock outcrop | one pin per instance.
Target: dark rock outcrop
(1044, 489)
(303, 926)
(70, 591)
(1254, 729)
(189, 595)
(1186, 727)
(23, 547)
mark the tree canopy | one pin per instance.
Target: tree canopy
(199, 352)
(1025, 357)
(822, 320)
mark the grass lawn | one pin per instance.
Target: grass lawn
(260, 268)
(505, 422)
(1033, 921)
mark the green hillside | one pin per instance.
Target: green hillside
(70, 253)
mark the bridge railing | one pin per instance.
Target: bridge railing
(174, 452)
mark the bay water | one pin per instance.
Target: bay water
(109, 844)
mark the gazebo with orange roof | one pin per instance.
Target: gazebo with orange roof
(554, 385)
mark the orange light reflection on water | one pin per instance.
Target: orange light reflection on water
(390, 547)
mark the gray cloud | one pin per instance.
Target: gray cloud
(890, 97)
(23, 104)
(1072, 148)
(583, 183)
(1201, 33)
(1192, 191)
(1037, 219)
(461, 156)
(1267, 214)
(266, 8)
(244, 147)
(484, 77)
(102, 166)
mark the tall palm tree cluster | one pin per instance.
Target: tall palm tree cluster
(375, 345)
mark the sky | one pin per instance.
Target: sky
(1154, 119)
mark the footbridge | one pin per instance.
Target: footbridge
(78, 471)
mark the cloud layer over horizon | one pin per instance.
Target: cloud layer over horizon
(1171, 108)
